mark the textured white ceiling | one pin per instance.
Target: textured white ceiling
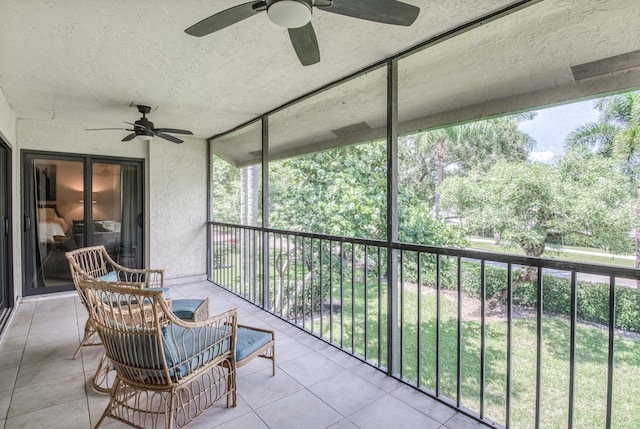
(84, 61)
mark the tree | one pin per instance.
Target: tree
(585, 198)
(425, 159)
(616, 135)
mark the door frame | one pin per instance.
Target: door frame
(27, 231)
(6, 265)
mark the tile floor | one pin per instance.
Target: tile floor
(315, 386)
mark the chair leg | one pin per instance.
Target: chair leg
(89, 333)
(104, 377)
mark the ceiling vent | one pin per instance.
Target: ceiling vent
(351, 129)
(618, 63)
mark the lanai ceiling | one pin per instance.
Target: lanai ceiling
(85, 61)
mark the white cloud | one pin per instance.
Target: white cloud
(544, 156)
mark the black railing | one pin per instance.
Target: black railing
(512, 341)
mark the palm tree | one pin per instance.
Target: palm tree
(616, 134)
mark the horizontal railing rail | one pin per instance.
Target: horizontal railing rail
(509, 340)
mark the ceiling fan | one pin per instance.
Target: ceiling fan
(295, 15)
(145, 130)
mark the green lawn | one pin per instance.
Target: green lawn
(591, 363)
(555, 252)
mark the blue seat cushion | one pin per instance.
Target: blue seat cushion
(192, 348)
(185, 349)
(111, 276)
(185, 308)
(248, 341)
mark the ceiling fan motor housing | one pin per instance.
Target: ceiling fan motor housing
(289, 13)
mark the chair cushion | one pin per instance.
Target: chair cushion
(248, 341)
(189, 349)
(111, 276)
(185, 308)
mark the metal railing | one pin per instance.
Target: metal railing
(512, 341)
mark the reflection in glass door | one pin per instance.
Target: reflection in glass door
(6, 272)
(78, 201)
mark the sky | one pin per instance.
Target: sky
(552, 125)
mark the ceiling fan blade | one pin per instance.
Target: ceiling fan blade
(305, 43)
(129, 137)
(171, 130)
(226, 18)
(142, 127)
(168, 137)
(384, 11)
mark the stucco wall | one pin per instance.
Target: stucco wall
(178, 207)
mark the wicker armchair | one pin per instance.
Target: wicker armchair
(168, 371)
(95, 263)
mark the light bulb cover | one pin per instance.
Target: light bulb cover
(290, 13)
(145, 137)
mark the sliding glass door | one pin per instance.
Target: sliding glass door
(6, 272)
(76, 201)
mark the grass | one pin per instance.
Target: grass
(560, 252)
(591, 363)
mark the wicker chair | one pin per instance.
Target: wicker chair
(168, 371)
(94, 262)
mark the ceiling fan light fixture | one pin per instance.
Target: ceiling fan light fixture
(290, 13)
(145, 137)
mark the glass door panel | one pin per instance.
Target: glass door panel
(59, 188)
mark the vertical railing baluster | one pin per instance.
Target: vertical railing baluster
(295, 279)
(509, 342)
(483, 332)
(281, 280)
(321, 275)
(353, 297)
(366, 302)
(312, 286)
(610, 360)
(379, 307)
(572, 349)
(539, 312)
(304, 276)
(419, 320)
(288, 277)
(342, 294)
(459, 334)
(438, 339)
(330, 291)
(401, 333)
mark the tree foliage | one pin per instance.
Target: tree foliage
(584, 198)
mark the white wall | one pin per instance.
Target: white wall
(178, 207)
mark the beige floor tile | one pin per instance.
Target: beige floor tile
(220, 414)
(346, 392)
(287, 349)
(310, 368)
(49, 351)
(389, 412)
(47, 370)
(460, 421)
(10, 358)
(67, 415)
(343, 424)
(248, 421)
(13, 342)
(8, 378)
(423, 403)
(5, 400)
(299, 410)
(54, 392)
(261, 388)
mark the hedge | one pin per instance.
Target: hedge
(593, 298)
